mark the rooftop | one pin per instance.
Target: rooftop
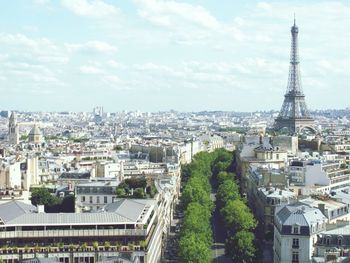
(300, 214)
(122, 211)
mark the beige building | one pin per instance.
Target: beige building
(35, 135)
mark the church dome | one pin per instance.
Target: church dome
(35, 131)
(35, 135)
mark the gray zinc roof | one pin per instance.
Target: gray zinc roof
(123, 211)
(300, 214)
(68, 219)
(129, 208)
(13, 209)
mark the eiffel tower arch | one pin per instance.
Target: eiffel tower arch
(294, 114)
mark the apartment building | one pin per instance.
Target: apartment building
(295, 232)
(131, 228)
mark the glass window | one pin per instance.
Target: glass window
(295, 256)
(339, 241)
(295, 230)
(295, 242)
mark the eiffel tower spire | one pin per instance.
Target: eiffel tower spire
(294, 114)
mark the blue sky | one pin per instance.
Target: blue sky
(154, 55)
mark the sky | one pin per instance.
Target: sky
(155, 55)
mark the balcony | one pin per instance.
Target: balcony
(73, 233)
(85, 247)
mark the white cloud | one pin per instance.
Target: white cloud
(264, 6)
(42, 2)
(92, 46)
(90, 8)
(90, 70)
(188, 24)
(114, 64)
(167, 13)
(41, 49)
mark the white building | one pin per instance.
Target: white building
(92, 196)
(295, 232)
(317, 176)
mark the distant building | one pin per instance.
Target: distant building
(334, 210)
(333, 245)
(35, 135)
(316, 176)
(92, 196)
(5, 113)
(13, 132)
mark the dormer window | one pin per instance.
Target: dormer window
(296, 230)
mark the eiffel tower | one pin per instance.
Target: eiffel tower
(294, 114)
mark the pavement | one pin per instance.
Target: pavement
(219, 235)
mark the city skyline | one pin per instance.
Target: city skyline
(162, 55)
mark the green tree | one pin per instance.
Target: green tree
(223, 176)
(136, 182)
(42, 196)
(118, 148)
(139, 193)
(197, 220)
(68, 204)
(237, 216)
(195, 192)
(193, 250)
(228, 190)
(241, 247)
(120, 192)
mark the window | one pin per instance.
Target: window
(295, 230)
(105, 200)
(277, 156)
(339, 241)
(98, 199)
(295, 257)
(295, 243)
(83, 198)
(90, 200)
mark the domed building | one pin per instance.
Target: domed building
(35, 135)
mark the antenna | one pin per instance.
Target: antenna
(294, 18)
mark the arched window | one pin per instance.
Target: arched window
(340, 240)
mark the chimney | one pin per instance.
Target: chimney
(41, 209)
(321, 207)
